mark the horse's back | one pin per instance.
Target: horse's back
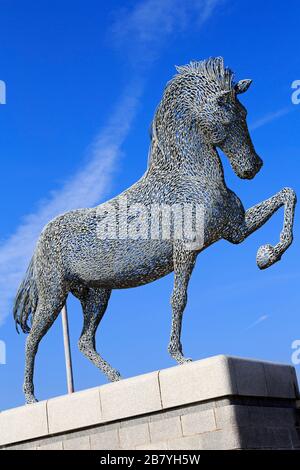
(88, 258)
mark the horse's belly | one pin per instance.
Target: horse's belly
(121, 264)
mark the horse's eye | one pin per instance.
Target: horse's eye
(227, 107)
(226, 120)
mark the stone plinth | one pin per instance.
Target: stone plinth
(216, 403)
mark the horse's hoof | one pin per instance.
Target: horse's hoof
(185, 360)
(30, 400)
(115, 376)
(266, 256)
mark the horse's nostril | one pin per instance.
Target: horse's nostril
(249, 174)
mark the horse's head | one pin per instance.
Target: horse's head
(223, 121)
(221, 116)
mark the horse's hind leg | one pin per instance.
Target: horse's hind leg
(44, 317)
(184, 262)
(94, 303)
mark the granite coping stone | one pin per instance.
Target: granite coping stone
(194, 382)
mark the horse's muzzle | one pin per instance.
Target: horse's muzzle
(249, 173)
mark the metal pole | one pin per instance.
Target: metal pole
(68, 358)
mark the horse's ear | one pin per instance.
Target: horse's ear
(242, 86)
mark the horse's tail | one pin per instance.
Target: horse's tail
(26, 299)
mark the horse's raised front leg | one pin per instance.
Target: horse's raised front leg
(258, 215)
(184, 262)
(94, 304)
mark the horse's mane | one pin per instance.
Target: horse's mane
(210, 69)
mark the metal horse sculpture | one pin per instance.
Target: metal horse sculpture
(199, 112)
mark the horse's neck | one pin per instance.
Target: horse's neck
(179, 146)
(202, 162)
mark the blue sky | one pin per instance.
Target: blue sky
(83, 80)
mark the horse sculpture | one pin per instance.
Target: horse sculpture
(199, 112)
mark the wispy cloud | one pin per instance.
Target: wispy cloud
(146, 28)
(258, 321)
(83, 189)
(270, 117)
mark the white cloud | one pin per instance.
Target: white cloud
(146, 28)
(84, 189)
(258, 321)
(269, 118)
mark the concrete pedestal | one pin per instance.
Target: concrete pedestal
(216, 403)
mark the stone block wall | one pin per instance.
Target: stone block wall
(216, 403)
